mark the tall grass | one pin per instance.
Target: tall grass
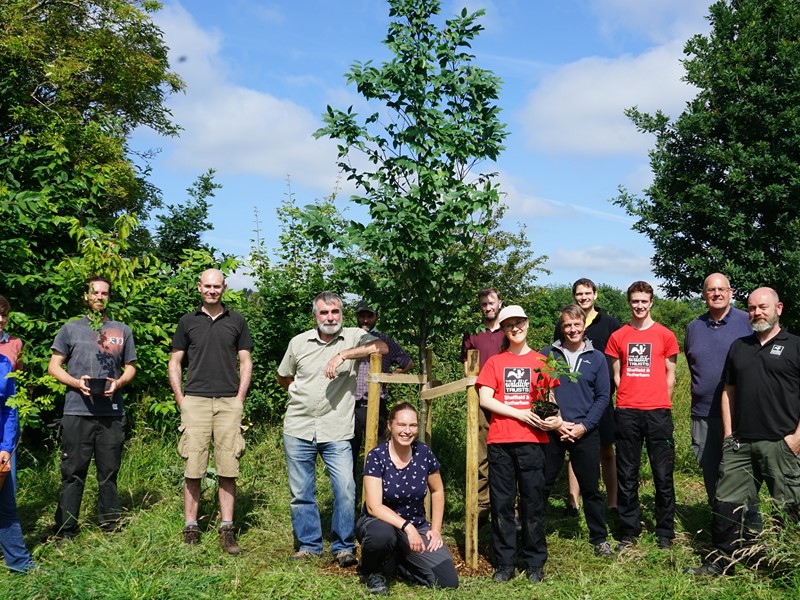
(147, 559)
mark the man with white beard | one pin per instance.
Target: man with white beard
(319, 371)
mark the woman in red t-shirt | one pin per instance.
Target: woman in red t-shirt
(516, 446)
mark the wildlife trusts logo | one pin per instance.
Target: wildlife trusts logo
(639, 355)
(517, 383)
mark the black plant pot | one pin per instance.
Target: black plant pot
(544, 409)
(97, 387)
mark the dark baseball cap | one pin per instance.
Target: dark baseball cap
(363, 306)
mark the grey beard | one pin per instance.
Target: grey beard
(330, 329)
(763, 325)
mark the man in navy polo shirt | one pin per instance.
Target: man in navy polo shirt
(761, 423)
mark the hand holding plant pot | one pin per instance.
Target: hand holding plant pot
(97, 387)
(544, 408)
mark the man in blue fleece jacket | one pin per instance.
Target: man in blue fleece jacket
(582, 403)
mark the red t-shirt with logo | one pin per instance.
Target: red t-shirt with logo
(512, 377)
(643, 355)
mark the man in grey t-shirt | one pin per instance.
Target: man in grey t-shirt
(92, 347)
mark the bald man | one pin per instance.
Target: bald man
(708, 339)
(216, 345)
(760, 406)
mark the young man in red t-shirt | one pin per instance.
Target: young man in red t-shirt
(644, 355)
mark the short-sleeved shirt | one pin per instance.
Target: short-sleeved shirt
(97, 354)
(319, 407)
(395, 356)
(512, 377)
(766, 379)
(403, 489)
(643, 354)
(486, 342)
(706, 345)
(212, 350)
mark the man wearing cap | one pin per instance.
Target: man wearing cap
(486, 340)
(367, 319)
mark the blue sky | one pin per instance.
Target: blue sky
(259, 74)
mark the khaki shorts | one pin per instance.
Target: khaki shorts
(203, 419)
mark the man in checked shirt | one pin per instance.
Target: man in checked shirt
(397, 357)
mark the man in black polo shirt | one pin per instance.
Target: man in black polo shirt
(212, 340)
(761, 425)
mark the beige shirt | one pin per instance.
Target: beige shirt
(321, 407)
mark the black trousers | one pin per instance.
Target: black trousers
(654, 429)
(82, 438)
(360, 432)
(385, 549)
(584, 455)
(512, 467)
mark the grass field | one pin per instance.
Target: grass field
(148, 560)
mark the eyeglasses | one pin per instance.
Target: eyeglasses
(717, 290)
(515, 325)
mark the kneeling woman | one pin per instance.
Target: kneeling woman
(515, 446)
(393, 532)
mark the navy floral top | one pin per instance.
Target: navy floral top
(403, 489)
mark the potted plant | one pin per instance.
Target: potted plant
(97, 384)
(546, 378)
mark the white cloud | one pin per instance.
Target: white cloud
(605, 259)
(578, 108)
(658, 20)
(232, 128)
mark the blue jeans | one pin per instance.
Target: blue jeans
(16, 554)
(301, 460)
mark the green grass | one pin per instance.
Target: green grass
(148, 560)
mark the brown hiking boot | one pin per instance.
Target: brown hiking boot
(191, 535)
(227, 540)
